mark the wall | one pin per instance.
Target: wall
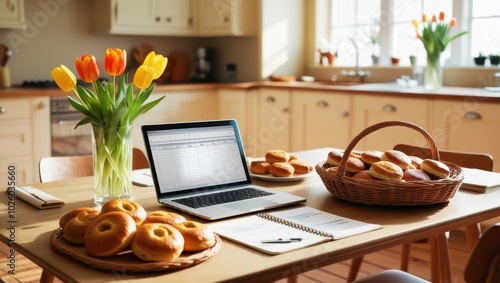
(60, 30)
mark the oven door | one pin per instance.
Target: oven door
(66, 140)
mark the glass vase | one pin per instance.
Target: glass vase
(112, 157)
(433, 76)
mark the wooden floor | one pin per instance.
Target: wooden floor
(386, 259)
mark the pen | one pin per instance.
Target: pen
(281, 241)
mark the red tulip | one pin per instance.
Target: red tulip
(441, 16)
(434, 18)
(87, 68)
(115, 60)
(453, 22)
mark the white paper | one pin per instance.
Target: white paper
(37, 198)
(480, 180)
(142, 177)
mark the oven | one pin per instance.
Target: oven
(65, 139)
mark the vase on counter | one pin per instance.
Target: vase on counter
(433, 74)
(112, 158)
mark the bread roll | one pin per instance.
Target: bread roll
(412, 175)
(365, 174)
(260, 167)
(281, 169)
(300, 167)
(386, 170)
(157, 242)
(435, 168)
(277, 155)
(397, 157)
(161, 216)
(371, 156)
(109, 234)
(130, 207)
(197, 236)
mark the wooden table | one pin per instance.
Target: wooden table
(234, 262)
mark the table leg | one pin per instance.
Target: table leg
(472, 234)
(444, 257)
(46, 277)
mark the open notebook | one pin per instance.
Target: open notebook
(290, 229)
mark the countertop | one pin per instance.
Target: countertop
(369, 88)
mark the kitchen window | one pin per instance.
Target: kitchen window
(383, 28)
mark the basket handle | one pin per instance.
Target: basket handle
(378, 126)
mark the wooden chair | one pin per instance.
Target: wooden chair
(483, 265)
(66, 167)
(481, 161)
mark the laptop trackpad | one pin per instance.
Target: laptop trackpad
(249, 205)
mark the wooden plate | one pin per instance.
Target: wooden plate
(127, 261)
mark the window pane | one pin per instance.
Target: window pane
(343, 13)
(405, 44)
(485, 8)
(368, 12)
(485, 37)
(433, 7)
(407, 10)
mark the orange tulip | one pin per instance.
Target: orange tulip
(434, 19)
(453, 22)
(87, 68)
(418, 35)
(424, 18)
(115, 60)
(441, 16)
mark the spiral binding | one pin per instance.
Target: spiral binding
(293, 224)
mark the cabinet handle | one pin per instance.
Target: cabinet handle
(389, 108)
(190, 21)
(345, 114)
(322, 104)
(226, 19)
(169, 19)
(471, 115)
(42, 105)
(3, 109)
(13, 6)
(157, 19)
(116, 12)
(285, 110)
(270, 99)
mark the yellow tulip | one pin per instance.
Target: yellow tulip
(144, 76)
(414, 23)
(157, 62)
(64, 78)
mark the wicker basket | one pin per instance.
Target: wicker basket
(391, 193)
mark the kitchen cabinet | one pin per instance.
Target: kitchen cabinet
(227, 17)
(320, 119)
(25, 137)
(240, 105)
(177, 106)
(370, 109)
(150, 17)
(12, 14)
(468, 125)
(273, 121)
(176, 17)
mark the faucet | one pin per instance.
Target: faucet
(358, 73)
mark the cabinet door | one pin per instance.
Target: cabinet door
(273, 131)
(320, 119)
(12, 14)
(369, 110)
(215, 14)
(128, 15)
(227, 17)
(468, 125)
(178, 15)
(192, 105)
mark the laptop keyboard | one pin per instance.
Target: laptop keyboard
(222, 197)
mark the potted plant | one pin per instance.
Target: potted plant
(479, 60)
(494, 59)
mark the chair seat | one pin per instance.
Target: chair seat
(392, 276)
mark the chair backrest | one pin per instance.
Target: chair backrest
(484, 262)
(139, 160)
(66, 167)
(476, 160)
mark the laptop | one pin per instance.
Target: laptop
(200, 168)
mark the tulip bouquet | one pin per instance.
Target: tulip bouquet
(111, 109)
(434, 35)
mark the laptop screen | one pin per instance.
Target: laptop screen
(198, 155)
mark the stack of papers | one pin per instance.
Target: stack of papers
(142, 177)
(480, 180)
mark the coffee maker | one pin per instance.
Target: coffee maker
(204, 65)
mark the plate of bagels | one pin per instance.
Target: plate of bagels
(123, 236)
(280, 166)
